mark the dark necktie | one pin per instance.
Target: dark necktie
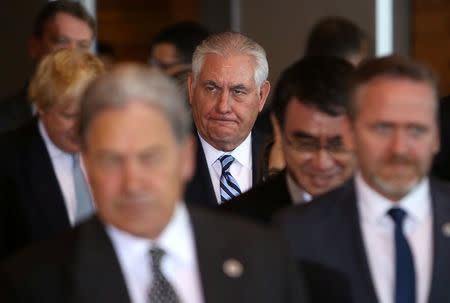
(229, 188)
(405, 282)
(161, 290)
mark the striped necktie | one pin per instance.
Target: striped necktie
(229, 188)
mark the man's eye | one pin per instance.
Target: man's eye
(416, 130)
(84, 46)
(109, 162)
(382, 128)
(211, 88)
(238, 92)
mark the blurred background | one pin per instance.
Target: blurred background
(417, 28)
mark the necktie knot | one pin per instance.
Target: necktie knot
(398, 215)
(226, 161)
(157, 255)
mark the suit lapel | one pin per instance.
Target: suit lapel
(354, 258)
(200, 190)
(45, 188)
(257, 151)
(97, 275)
(441, 237)
(211, 255)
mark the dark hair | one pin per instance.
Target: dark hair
(394, 66)
(334, 36)
(185, 36)
(320, 82)
(50, 10)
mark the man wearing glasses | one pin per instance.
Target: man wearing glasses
(310, 104)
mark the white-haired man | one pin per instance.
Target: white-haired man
(227, 90)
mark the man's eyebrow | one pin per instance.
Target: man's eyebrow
(239, 86)
(301, 134)
(212, 83)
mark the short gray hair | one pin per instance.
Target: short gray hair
(228, 44)
(129, 83)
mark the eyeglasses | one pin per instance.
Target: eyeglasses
(309, 145)
(163, 66)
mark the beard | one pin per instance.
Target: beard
(398, 175)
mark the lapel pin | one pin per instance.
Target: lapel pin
(446, 229)
(233, 268)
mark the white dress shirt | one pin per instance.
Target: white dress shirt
(241, 169)
(62, 163)
(179, 264)
(379, 237)
(298, 195)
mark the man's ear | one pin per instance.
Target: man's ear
(188, 152)
(191, 87)
(348, 134)
(263, 93)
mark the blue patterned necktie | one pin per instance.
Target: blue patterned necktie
(84, 206)
(405, 284)
(161, 291)
(229, 188)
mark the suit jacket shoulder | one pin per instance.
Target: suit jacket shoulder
(222, 239)
(78, 265)
(262, 201)
(29, 187)
(326, 231)
(15, 110)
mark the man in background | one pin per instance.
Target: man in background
(387, 229)
(60, 24)
(173, 47)
(310, 105)
(227, 90)
(41, 177)
(339, 37)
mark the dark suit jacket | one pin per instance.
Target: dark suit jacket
(441, 164)
(81, 266)
(327, 231)
(200, 190)
(15, 110)
(29, 188)
(262, 201)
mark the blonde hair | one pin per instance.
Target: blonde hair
(62, 77)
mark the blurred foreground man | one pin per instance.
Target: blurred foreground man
(310, 105)
(388, 229)
(145, 245)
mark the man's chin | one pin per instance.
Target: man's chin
(396, 187)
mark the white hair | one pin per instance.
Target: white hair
(230, 44)
(135, 83)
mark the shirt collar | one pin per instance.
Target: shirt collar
(298, 195)
(373, 206)
(242, 153)
(52, 149)
(177, 234)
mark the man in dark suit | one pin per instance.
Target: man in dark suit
(227, 90)
(146, 245)
(60, 24)
(37, 179)
(388, 229)
(310, 103)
